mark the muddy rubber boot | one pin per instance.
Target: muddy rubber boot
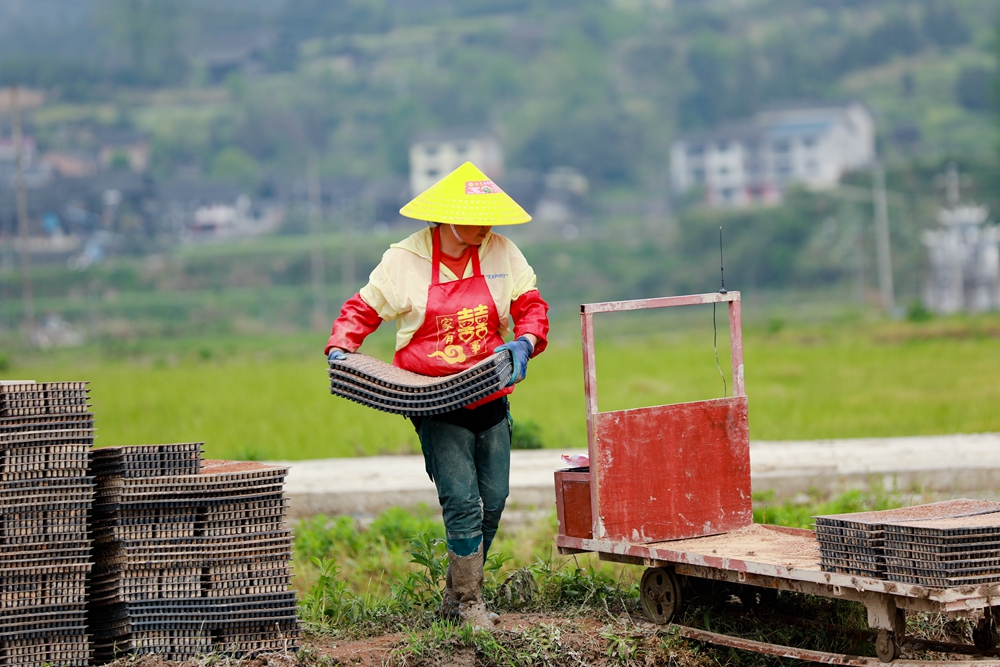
(449, 599)
(467, 583)
(494, 618)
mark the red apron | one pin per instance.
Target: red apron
(461, 325)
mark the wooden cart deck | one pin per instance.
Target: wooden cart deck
(783, 559)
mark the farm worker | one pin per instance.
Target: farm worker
(453, 289)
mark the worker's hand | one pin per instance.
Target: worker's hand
(336, 354)
(520, 351)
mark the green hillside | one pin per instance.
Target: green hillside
(597, 85)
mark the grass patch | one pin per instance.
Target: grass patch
(356, 580)
(552, 644)
(796, 514)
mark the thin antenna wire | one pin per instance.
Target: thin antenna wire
(722, 264)
(715, 328)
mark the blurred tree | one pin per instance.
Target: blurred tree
(74, 79)
(994, 89)
(601, 141)
(762, 245)
(896, 34)
(146, 34)
(233, 164)
(972, 88)
(284, 53)
(469, 86)
(120, 161)
(746, 95)
(479, 7)
(944, 25)
(403, 119)
(694, 16)
(650, 58)
(305, 19)
(706, 105)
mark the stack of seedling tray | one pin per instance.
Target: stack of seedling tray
(945, 552)
(382, 386)
(865, 543)
(46, 431)
(192, 556)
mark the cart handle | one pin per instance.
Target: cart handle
(588, 310)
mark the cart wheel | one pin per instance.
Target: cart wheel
(886, 647)
(985, 634)
(660, 594)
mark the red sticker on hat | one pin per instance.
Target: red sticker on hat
(481, 188)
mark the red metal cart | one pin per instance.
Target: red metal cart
(668, 487)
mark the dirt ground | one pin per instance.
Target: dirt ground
(537, 639)
(574, 635)
(547, 639)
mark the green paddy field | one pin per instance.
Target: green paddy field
(266, 398)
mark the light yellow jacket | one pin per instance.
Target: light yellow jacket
(397, 288)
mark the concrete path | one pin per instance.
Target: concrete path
(951, 464)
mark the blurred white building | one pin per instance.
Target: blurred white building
(964, 258)
(435, 154)
(220, 221)
(757, 159)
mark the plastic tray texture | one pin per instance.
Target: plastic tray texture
(191, 556)
(948, 543)
(46, 493)
(382, 386)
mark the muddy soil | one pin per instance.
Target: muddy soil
(565, 641)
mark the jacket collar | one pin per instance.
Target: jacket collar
(420, 243)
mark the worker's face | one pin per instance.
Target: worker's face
(472, 234)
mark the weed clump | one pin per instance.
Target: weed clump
(555, 643)
(390, 576)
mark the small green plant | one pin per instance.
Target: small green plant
(572, 585)
(435, 645)
(526, 434)
(425, 586)
(917, 312)
(538, 645)
(331, 605)
(328, 600)
(620, 650)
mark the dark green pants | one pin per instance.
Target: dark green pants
(472, 474)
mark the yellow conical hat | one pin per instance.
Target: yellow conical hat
(466, 196)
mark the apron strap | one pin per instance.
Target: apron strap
(436, 255)
(475, 260)
(436, 258)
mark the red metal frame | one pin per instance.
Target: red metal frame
(588, 310)
(646, 484)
